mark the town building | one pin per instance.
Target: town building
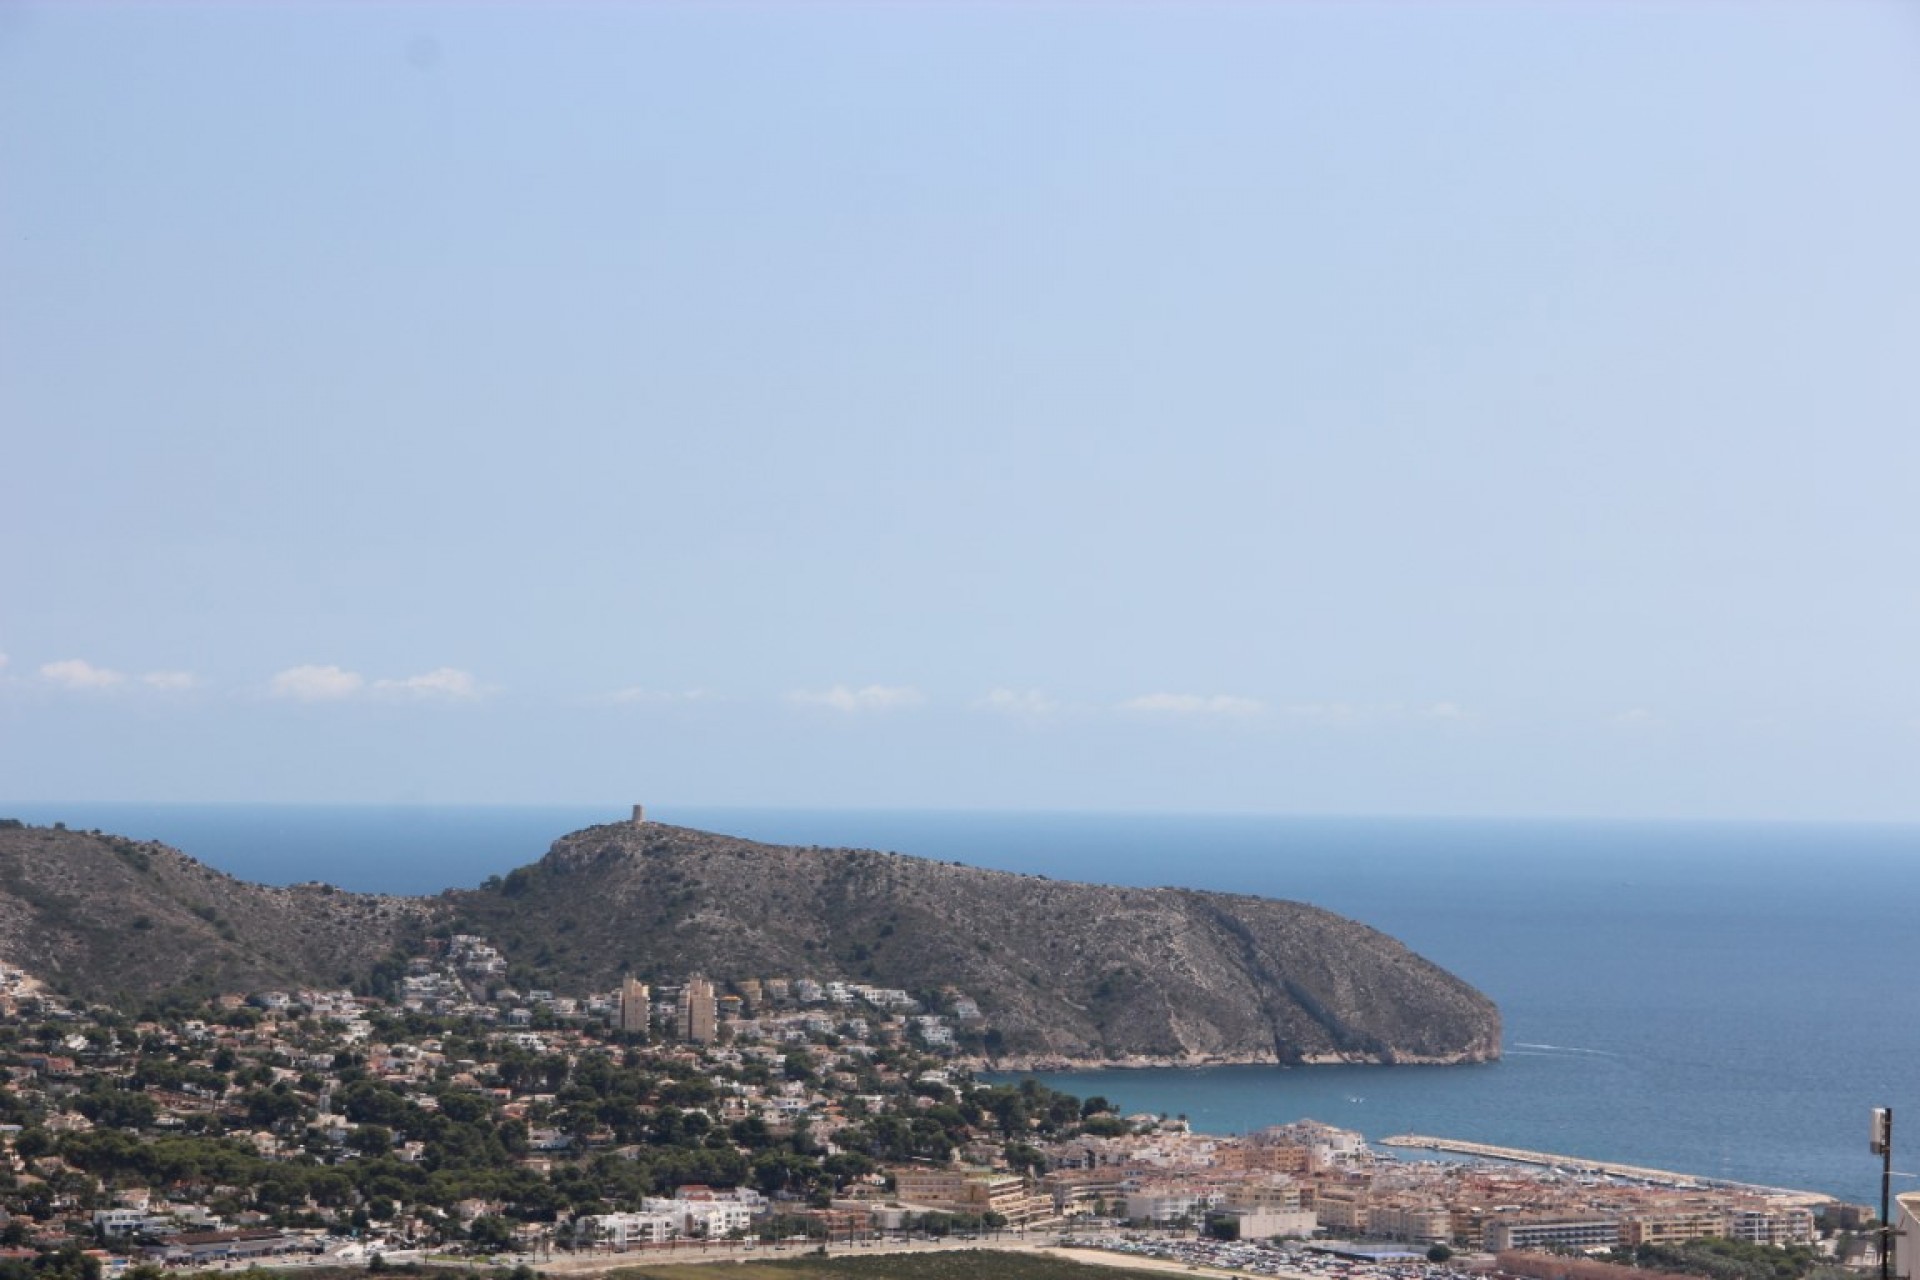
(698, 1013)
(636, 1005)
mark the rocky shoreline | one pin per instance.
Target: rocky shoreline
(1047, 1062)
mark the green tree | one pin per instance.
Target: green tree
(490, 1233)
(371, 1139)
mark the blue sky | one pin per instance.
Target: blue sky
(1324, 408)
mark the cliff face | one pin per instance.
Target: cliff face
(1060, 970)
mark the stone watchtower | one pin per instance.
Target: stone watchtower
(639, 815)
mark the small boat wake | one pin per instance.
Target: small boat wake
(1548, 1050)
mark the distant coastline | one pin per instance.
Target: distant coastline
(1681, 995)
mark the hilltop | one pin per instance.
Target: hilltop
(106, 918)
(1060, 970)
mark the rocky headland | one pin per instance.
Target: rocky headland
(1063, 973)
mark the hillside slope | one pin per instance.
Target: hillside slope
(101, 917)
(1062, 969)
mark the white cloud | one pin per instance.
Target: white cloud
(1028, 703)
(874, 697)
(316, 684)
(77, 673)
(449, 683)
(1327, 712)
(1194, 704)
(1355, 714)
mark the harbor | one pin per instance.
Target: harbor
(1581, 1165)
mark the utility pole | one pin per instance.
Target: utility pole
(1882, 1146)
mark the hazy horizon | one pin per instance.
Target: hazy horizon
(41, 812)
(1375, 410)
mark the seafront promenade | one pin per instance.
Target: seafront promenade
(1578, 1164)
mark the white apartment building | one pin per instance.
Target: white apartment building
(631, 1230)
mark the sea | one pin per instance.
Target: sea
(1724, 999)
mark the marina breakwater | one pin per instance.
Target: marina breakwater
(1577, 1164)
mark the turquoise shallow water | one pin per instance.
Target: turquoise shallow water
(1725, 999)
